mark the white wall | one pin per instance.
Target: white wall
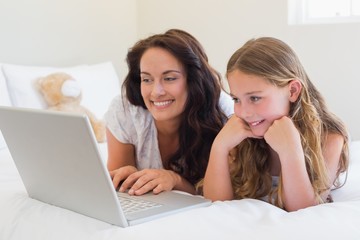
(70, 32)
(330, 53)
(66, 32)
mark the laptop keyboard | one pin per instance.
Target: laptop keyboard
(132, 204)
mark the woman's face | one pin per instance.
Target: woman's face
(163, 84)
(257, 101)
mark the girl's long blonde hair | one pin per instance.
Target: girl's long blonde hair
(275, 61)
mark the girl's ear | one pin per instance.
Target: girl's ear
(295, 87)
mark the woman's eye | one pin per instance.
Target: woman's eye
(145, 80)
(170, 78)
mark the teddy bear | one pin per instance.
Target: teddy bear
(62, 93)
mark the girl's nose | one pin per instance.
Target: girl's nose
(243, 111)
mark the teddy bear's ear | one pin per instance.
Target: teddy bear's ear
(71, 88)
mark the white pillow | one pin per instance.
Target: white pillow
(4, 95)
(99, 84)
(4, 100)
(2, 142)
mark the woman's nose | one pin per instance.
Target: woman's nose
(158, 89)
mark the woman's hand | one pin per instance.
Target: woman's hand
(120, 174)
(143, 181)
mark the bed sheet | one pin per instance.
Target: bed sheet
(24, 218)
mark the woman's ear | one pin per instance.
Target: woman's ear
(295, 87)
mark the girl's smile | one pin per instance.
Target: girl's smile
(258, 102)
(254, 124)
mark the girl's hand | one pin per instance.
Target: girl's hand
(120, 174)
(234, 132)
(143, 181)
(284, 138)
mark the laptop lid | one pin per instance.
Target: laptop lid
(57, 157)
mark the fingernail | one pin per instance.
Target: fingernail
(131, 191)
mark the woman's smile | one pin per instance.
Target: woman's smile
(162, 104)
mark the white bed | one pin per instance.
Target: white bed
(24, 218)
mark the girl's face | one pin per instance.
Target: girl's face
(163, 84)
(257, 101)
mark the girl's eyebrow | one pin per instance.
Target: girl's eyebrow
(252, 92)
(248, 93)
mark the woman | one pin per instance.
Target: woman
(160, 131)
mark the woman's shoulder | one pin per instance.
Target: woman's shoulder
(121, 105)
(126, 121)
(122, 112)
(226, 103)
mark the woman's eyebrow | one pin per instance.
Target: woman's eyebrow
(145, 73)
(232, 95)
(170, 71)
(165, 72)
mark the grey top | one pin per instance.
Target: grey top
(135, 125)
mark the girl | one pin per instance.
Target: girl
(282, 145)
(160, 130)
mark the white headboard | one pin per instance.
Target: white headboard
(67, 33)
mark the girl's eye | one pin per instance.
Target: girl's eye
(235, 99)
(255, 99)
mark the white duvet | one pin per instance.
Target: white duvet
(24, 218)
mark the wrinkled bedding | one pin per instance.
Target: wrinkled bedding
(24, 218)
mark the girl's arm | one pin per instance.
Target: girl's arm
(332, 153)
(217, 181)
(284, 139)
(298, 192)
(291, 179)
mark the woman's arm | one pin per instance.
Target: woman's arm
(156, 180)
(121, 159)
(122, 167)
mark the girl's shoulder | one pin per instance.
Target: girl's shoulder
(334, 140)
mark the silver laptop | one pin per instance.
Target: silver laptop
(59, 162)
